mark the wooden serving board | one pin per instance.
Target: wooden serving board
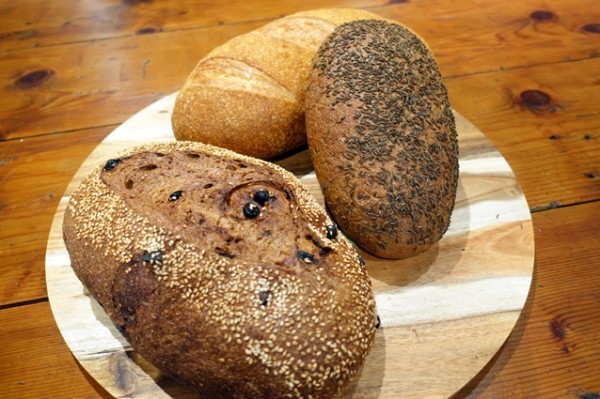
(444, 313)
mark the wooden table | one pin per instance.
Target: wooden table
(526, 73)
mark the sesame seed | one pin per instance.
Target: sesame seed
(267, 314)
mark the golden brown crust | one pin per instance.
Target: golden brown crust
(239, 300)
(248, 94)
(382, 138)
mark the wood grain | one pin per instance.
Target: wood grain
(110, 79)
(490, 38)
(67, 21)
(106, 82)
(529, 23)
(550, 342)
(37, 364)
(70, 68)
(26, 216)
(470, 287)
(530, 364)
(547, 126)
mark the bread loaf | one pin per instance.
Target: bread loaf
(382, 138)
(222, 271)
(248, 94)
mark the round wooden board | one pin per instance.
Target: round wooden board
(444, 313)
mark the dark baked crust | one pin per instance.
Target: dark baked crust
(236, 302)
(382, 138)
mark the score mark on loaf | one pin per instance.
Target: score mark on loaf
(247, 95)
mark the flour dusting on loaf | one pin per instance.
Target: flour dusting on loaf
(222, 271)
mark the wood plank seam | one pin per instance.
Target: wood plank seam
(24, 303)
(110, 125)
(558, 205)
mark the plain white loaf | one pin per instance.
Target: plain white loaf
(247, 95)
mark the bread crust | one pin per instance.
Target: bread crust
(382, 138)
(247, 95)
(237, 300)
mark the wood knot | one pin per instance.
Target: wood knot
(146, 31)
(558, 331)
(34, 79)
(592, 28)
(536, 100)
(589, 395)
(542, 16)
(135, 2)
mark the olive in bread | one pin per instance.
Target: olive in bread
(222, 271)
(382, 138)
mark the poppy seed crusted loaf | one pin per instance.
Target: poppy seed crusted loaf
(382, 138)
(222, 271)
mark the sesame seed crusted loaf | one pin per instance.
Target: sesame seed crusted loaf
(248, 94)
(382, 138)
(222, 271)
